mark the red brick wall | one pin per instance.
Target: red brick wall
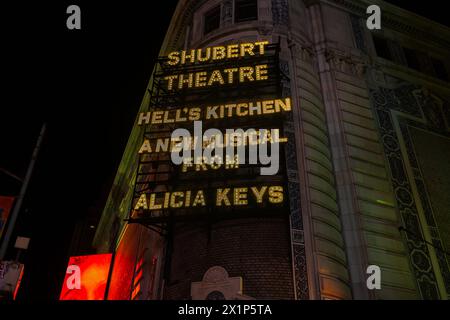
(258, 250)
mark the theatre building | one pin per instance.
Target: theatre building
(358, 205)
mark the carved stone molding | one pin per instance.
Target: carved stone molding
(307, 53)
(411, 103)
(346, 63)
(217, 285)
(393, 22)
(265, 30)
(303, 51)
(227, 13)
(280, 12)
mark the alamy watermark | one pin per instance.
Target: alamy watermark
(74, 20)
(214, 147)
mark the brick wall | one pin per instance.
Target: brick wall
(258, 250)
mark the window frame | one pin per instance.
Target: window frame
(375, 38)
(246, 20)
(217, 7)
(443, 66)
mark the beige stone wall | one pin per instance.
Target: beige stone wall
(323, 231)
(329, 247)
(366, 198)
(372, 189)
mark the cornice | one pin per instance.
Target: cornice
(398, 19)
(346, 62)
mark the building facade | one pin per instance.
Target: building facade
(364, 170)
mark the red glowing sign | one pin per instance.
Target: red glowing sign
(5, 206)
(86, 277)
(124, 264)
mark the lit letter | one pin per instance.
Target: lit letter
(215, 76)
(261, 72)
(157, 117)
(222, 195)
(146, 147)
(267, 106)
(286, 105)
(230, 74)
(245, 72)
(233, 51)
(239, 112)
(211, 112)
(261, 46)
(170, 81)
(240, 196)
(182, 81)
(218, 53)
(199, 198)
(154, 206)
(173, 58)
(194, 114)
(259, 194)
(142, 203)
(185, 56)
(200, 79)
(247, 47)
(276, 194)
(162, 145)
(173, 203)
(144, 116)
(206, 58)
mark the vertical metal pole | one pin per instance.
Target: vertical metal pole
(110, 272)
(21, 196)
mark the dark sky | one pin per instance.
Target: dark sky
(87, 85)
(432, 9)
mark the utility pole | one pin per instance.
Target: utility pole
(23, 190)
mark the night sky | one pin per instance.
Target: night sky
(87, 85)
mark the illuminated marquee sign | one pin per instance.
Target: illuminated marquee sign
(185, 81)
(224, 197)
(222, 111)
(216, 53)
(214, 163)
(231, 75)
(234, 139)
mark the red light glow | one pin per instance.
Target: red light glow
(93, 273)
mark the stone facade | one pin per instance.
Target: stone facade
(255, 250)
(357, 167)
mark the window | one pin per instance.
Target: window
(412, 59)
(439, 69)
(382, 48)
(245, 10)
(212, 20)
